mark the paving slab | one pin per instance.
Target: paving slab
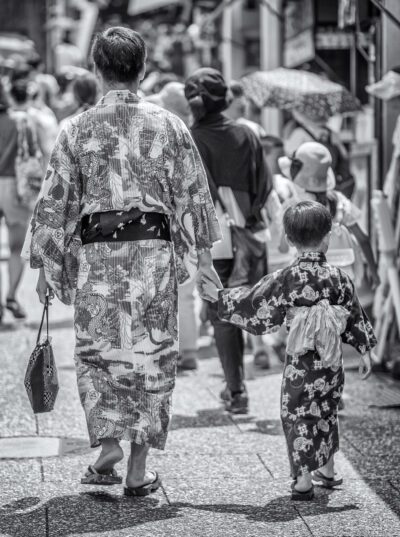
(358, 509)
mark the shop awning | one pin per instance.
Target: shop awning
(138, 7)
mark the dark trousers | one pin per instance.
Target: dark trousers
(229, 339)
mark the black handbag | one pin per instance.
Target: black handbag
(41, 380)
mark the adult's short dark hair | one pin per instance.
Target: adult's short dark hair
(119, 54)
(85, 89)
(307, 223)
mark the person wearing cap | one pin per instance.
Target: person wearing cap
(238, 176)
(313, 179)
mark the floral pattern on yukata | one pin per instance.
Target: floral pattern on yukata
(310, 392)
(123, 153)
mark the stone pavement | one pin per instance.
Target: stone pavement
(222, 475)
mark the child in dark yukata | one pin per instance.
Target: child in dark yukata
(319, 305)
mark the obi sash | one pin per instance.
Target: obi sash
(117, 226)
(319, 328)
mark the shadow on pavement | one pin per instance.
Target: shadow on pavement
(99, 512)
(79, 514)
(206, 418)
(278, 510)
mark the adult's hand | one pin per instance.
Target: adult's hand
(365, 367)
(207, 274)
(43, 289)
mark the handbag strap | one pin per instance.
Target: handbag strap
(214, 187)
(45, 314)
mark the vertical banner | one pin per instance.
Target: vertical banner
(347, 13)
(298, 37)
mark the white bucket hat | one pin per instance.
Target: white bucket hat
(312, 162)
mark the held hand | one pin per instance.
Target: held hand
(208, 290)
(365, 367)
(43, 289)
(208, 272)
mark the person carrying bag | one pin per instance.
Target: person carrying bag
(41, 379)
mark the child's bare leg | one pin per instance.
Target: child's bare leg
(303, 482)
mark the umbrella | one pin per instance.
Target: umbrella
(292, 89)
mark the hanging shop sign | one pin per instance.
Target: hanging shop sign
(298, 46)
(333, 39)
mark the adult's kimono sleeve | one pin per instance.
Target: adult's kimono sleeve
(258, 310)
(194, 223)
(53, 233)
(359, 332)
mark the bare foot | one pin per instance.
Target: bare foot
(135, 482)
(328, 470)
(303, 483)
(108, 458)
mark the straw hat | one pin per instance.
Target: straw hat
(312, 162)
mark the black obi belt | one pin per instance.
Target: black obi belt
(119, 226)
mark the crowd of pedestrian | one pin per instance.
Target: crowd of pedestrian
(142, 191)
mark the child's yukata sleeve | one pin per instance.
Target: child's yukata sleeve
(258, 310)
(359, 332)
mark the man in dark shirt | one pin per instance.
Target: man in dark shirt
(239, 176)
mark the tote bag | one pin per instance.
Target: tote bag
(41, 380)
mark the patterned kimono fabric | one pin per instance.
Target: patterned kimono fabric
(309, 403)
(122, 154)
(126, 339)
(311, 387)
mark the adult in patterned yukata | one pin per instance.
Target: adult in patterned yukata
(120, 159)
(320, 306)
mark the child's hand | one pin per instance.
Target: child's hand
(365, 367)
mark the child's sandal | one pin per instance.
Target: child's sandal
(327, 482)
(302, 496)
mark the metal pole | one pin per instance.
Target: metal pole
(227, 45)
(387, 12)
(271, 56)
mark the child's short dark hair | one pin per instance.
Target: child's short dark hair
(307, 223)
